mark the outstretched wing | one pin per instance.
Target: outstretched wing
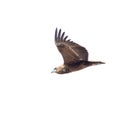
(70, 51)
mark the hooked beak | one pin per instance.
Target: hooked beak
(54, 71)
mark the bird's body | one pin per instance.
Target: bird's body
(75, 56)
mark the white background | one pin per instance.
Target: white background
(28, 90)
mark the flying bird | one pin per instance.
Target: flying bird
(75, 56)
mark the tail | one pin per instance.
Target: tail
(90, 63)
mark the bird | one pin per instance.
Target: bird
(74, 55)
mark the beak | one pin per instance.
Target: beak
(54, 71)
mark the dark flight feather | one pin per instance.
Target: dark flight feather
(70, 51)
(75, 56)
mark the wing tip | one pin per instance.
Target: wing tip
(60, 36)
(56, 29)
(56, 33)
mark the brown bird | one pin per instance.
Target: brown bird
(75, 56)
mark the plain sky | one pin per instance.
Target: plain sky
(28, 90)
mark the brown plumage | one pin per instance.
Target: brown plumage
(75, 56)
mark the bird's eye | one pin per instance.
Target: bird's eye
(54, 68)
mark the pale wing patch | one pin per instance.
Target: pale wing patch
(73, 51)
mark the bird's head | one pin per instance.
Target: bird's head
(60, 70)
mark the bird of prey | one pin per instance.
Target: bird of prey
(75, 56)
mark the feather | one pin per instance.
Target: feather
(75, 56)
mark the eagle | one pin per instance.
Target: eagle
(74, 55)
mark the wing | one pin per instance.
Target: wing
(71, 52)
